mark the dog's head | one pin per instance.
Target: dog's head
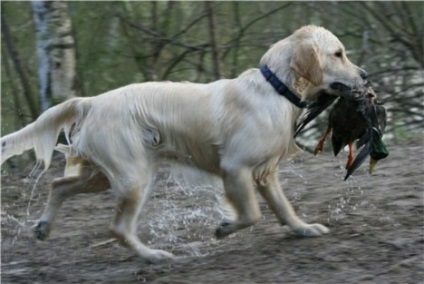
(320, 58)
(317, 59)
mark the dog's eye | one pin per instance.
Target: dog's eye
(338, 54)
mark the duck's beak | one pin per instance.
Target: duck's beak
(372, 165)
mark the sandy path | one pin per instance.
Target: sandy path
(377, 231)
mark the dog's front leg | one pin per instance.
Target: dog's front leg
(280, 205)
(240, 193)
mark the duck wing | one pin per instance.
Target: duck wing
(323, 101)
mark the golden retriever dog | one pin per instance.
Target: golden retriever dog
(238, 130)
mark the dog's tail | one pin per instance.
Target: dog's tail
(42, 134)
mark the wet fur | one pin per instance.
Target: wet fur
(236, 130)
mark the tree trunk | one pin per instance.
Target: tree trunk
(212, 38)
(55, 52)
(20, 118)
(13, 52)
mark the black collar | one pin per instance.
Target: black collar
(280, 87)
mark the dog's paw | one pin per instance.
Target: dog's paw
(42, 230)
(311, 230)
(158, 256)
(223, 230)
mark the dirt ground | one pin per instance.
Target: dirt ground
(376, 222)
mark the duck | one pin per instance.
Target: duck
(371, 141)
(356, 116)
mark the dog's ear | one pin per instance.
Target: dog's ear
(306, 64)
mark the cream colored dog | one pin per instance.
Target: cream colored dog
(238, 130)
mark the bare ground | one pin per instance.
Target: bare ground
(376, 222)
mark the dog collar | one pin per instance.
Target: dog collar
(280, 87)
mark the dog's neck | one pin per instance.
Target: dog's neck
(279, 61)
(281, 88)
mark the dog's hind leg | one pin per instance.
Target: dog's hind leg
(124, 228)
(280, 205)
(63, 188)
(240, 193)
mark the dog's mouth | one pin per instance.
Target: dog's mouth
(348, 92)
(340, 87)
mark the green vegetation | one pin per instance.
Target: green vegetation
(119, 43)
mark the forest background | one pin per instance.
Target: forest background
(55, 50)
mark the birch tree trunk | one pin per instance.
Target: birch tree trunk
(55, 52)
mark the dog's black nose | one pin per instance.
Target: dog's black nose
(363, 74)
